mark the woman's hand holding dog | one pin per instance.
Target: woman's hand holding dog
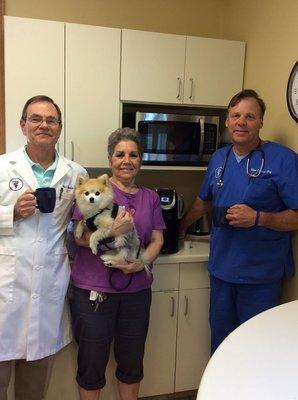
(122, 223)
(130, 267)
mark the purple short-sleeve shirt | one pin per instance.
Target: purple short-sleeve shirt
(88, 270)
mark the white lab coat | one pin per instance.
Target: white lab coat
(34, 266)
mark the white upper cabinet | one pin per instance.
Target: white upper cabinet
(79, 67)
(213, 70)
(34, 65)
(163, 68)
(92, 92)
(152, 68)
(76, 65)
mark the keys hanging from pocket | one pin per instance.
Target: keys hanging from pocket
(97, 298)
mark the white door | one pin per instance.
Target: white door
(159, 361)
(34, 65)
(213, 70)
(92, 92)
(193, 338)
(152, 67)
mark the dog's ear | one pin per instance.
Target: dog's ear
(79, 181)
(104, 179)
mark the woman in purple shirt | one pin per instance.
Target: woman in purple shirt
(114, 303)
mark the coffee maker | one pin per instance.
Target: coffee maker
(200, 227)
(172, 206)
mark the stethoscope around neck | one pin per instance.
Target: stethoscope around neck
(251, 174)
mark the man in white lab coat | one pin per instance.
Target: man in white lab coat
(34, 267)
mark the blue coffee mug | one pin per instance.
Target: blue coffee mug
(45, 199)
(219, 216)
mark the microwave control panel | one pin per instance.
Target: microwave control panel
(210, 140)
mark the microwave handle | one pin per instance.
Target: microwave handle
(138, 119)
(179, 88)
(202, 137)
(191, 88)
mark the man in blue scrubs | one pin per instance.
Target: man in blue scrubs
(251, 187)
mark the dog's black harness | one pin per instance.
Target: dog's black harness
(90, 225)
(90, 221)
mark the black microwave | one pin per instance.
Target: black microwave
(177, 139)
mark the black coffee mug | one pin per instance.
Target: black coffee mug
(219, 216)
(45, 199)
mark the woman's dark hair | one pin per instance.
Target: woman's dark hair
(124, 134)
(246, 94)
(40, 99)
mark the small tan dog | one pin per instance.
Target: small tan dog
(95, 201)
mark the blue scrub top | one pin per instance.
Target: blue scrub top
(256, 254)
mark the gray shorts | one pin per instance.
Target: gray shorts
(122, 317)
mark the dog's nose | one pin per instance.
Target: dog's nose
(91, 199)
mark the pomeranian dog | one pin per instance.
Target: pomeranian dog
(94, 198)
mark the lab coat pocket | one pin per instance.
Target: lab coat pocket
(68, 195)
(61, 273)
(7, 274)
(64, 203)
(65, 197)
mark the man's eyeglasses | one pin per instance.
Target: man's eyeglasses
(38, 120)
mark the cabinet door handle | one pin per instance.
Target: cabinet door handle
(186, 305)
(173, 307)
(72, 151)
(179, 88)
(191, 88)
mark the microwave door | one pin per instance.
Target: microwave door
(154, 141)
(171, 141)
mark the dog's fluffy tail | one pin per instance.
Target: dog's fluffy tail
(147, 269)
(145, 260)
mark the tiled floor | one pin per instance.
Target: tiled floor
(191, 395)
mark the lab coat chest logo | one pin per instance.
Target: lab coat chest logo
(218, 172)
(15, 184)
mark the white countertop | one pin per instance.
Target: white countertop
(199, 251)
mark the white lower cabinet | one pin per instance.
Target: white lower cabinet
(178, 343)
(159, 362)
(193, 338)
